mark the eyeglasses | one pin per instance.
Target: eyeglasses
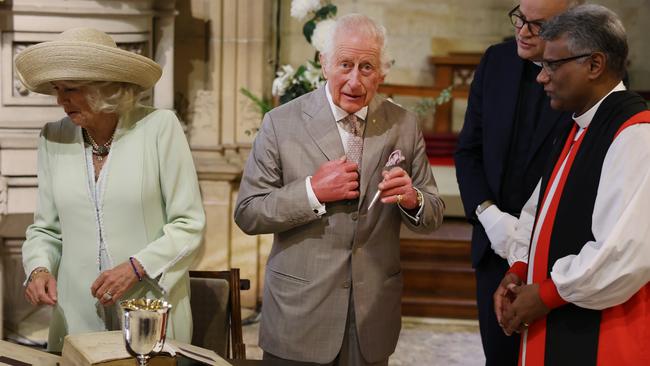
(518, 21)
(550, 66)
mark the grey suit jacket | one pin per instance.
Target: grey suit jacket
(316, 260)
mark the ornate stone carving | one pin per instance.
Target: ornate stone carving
(19, 89)
(139, 48)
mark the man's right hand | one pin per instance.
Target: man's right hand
(336, 180)
(41, 289)
(503, 297)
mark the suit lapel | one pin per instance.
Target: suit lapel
(374, 143)
(321, 126)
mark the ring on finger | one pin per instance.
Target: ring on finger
(108, 296)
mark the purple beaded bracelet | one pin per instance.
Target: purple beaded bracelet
(135, 269)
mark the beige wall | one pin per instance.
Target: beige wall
(418, 28)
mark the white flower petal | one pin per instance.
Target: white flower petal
(300, 8)
(322, 34)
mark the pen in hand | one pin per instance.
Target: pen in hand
(374, 199)
(394, 159)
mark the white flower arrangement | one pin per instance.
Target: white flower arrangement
(283, 79)
(322, 34)
(300, 8)
(291, 83)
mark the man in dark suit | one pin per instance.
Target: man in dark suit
(502, 149)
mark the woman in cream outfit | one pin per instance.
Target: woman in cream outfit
(119, 210)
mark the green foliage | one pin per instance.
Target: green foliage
(264, 105)
(429, 105)
(308, 30)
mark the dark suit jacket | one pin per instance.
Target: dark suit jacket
(484, 141)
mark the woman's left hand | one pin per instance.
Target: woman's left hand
(109, 287)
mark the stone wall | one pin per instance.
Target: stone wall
(420, 28)
(223, 46)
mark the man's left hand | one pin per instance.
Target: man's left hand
(524, 310)
(112, 284)
(397, 188)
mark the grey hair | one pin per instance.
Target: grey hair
(367, 27)
(110, 96)
(591, 28)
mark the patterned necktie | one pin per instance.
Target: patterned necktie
(355, 141)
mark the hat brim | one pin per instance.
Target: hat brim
(41, 64)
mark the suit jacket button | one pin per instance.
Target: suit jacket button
(346, 284)
(354, 216)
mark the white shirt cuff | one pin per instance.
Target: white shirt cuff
(316, 206)
(498, 226)
(418, 215)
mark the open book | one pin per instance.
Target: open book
(108, 349)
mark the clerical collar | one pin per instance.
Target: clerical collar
(585, 119)
(338, 112)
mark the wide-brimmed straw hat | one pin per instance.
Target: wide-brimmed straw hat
(83, 54)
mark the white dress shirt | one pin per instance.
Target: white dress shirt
(610, 269)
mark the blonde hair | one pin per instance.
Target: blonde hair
(110, 96)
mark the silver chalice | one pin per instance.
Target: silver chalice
(145, 327)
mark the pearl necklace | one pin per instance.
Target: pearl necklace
(100, 151)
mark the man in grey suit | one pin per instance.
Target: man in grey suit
(333, 281)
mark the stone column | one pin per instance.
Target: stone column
(221, 116)
(163, 91)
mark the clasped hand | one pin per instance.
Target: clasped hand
(336, 180)
(517, 305)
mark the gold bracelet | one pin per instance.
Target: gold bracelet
(37, 270)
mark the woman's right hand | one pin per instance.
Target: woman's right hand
(41, 289)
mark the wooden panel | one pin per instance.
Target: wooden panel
(16, 307)
(438, 276)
